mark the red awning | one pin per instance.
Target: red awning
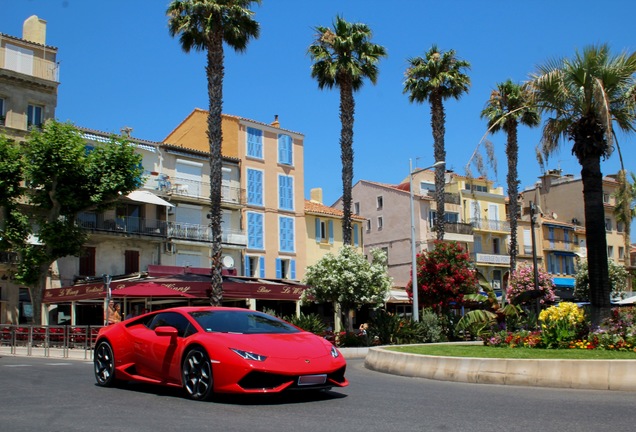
(149, 289)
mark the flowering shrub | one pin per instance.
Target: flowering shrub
(521, 289)
(561, 324)
(518, 339)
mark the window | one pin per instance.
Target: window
(324, 231)
(606, 198)
(285, 268)
(620, 226)
(286, 234)
(173, 319)
(2, 114)
(496, 246)
(285, 192)
(356, 235)
(255, 230)
(254, 266)
(285, 150)
(254, 187)
(477, 244)
(610, 252)
(380, 222)
(131, 261)
(368, 222)
(379, 202)
(527, 242)
(621, 253)
(426, 187)
(551, 236)
(356, 208)
(87, 261)
(608, 224)
(34, 116)
(255, 143)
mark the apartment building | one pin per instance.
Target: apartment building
(29, 79)
(271, 161)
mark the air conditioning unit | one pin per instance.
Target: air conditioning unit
(170, 248)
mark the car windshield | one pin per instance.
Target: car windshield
(248, 322)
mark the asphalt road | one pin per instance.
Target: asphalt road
(48, 395)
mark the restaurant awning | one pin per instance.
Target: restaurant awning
(148, 198)
(149, 289)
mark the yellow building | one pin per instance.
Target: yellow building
(272, 174)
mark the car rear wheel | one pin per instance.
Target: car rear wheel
(104, 362)
(197, 375)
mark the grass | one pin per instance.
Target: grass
(455, 350)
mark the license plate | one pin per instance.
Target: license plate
(305, 380)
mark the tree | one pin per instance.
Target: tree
(508, 107)
(586, 97)
(348, 280)
(436, 77)
(203, 25)
(62, 178)
(617, 275)
(444, 275)
(343, 57)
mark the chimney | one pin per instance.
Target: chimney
(316, 195)
(275, 123)
(34, 30)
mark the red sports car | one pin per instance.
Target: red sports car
(216, 349)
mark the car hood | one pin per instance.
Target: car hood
(283, 346)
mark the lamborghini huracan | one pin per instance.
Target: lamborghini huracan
(208, 350)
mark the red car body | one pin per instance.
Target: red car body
(229, 350)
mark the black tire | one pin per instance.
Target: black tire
(196, 374)
(104, 362)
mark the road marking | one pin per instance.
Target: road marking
(18, 365)
(58, 364)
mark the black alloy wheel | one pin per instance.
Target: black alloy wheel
(104, 362)
(196, 373)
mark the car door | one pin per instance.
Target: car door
(159, 356)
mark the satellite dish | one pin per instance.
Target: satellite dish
(228, 261)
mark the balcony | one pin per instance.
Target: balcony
(490, 225)
(458, 228)
(181, 187)
(40, 68)
(8, 258)
(122, 225)
(497, 259)
(560, 245)
(194, 232)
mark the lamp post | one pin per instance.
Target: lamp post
(416, 306)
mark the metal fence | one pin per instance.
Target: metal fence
(49, 341)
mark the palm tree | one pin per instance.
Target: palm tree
(625, 212)
(204, 25)
(586, 97)
(344, 56)
(508, 107)
(434, 78)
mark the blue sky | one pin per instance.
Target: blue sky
(119, 67)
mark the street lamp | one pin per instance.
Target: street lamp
(416, 311)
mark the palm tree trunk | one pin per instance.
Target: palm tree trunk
(600, 288)
(347, 109)
(512, 154)
(215, 72)
(438, 120)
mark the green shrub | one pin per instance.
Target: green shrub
(311, 323)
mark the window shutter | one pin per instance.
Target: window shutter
(261, 265)
(355, 235)
(285, 149)
(292, 269)
(285, 192)
(279, 269)
(255, 230)
(254, 187)
(248, 267)
(255, 143)
(330, 232)
(317, 230)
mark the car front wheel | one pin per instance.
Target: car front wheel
(104, 362)
(197, 375)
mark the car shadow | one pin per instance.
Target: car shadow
(285, 398)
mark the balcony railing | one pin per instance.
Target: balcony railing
(41, 68)
(490, 225)
(458, 228)
(128, 225)
(187, 231)
(191, 188)
(8, 258)
(560, 245)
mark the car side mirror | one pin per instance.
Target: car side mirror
(166, 331)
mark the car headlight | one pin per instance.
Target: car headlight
(249, 355)
(334, 352)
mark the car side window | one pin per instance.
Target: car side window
(173, 319)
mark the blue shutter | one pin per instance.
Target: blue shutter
(285, 192)
(330, 232)
(285, 149)
(255, 231)
(286, 234)
(279, 268)
(355, 235)
(254, 187)
(255, 143)
(261, 265)
(292, 269)
(248, 268)
(317, 230)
